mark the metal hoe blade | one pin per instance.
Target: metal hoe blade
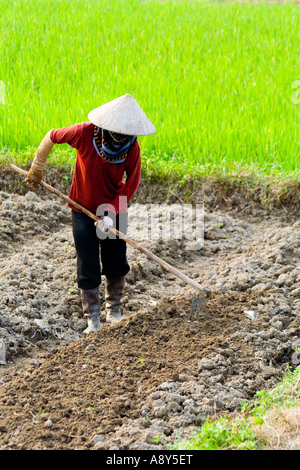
(197, 305)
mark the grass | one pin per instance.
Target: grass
(274, 409)
(223, 434)
(218, 79)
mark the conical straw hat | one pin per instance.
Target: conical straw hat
(122, 115)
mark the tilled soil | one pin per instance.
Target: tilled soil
(147, 381)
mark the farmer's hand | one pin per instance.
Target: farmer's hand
(104, 223)
(33, 177)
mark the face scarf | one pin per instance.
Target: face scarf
(112, 147)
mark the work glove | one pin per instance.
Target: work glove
(33, 177)
(104, 223)
(35, 174)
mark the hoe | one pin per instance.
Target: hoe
(197, 303)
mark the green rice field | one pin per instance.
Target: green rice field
(219, 80)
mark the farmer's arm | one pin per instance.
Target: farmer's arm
(133, 178)
(119, 205)
(35, 174)
(64, 135)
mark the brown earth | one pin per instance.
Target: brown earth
(161, 371)
(97, 384)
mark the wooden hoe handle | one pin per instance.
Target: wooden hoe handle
(121, 235)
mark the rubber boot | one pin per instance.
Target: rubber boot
(91, 309)
(114, 289)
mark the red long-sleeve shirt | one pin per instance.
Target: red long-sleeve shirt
(96, 182)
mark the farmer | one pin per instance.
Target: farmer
(107, 148)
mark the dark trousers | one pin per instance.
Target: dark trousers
(90, 248)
